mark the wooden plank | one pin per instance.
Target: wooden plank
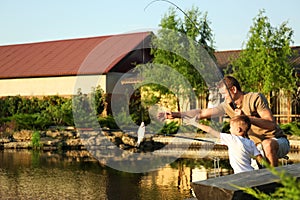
(224, 187)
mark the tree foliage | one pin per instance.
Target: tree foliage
(264, 64)
(175, 53)
(195, 26)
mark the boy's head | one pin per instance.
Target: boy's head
(240, 125)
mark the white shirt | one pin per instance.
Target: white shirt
(240, 151)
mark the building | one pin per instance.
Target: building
(62, 67)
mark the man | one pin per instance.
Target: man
(264, 129)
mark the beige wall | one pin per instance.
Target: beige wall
(63, 86)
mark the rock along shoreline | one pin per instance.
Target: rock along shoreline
(72, 139)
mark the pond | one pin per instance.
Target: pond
(28, 174)
(74, 174)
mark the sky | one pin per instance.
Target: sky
(27, 21)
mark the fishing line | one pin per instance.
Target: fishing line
(186, 15)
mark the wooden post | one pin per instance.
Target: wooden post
(289, 107)
(225, 187)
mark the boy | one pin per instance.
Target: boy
(240, 148)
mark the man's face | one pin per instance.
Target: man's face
(225, 93)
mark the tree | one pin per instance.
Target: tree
(264, 64)
(175, 46)
(195, 26)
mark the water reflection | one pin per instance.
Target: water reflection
(47, 175)
(73, 175)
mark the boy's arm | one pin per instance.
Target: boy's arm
(203, 127)
(209, 130)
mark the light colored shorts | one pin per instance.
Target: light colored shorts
(284, 146)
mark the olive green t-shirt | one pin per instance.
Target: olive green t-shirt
(252, 103)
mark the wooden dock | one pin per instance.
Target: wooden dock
(223, 187)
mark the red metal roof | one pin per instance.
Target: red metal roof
(95, 55)
(224, 57)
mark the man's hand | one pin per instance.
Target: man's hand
(164, 115)
(238, 112)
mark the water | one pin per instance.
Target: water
(71, 175)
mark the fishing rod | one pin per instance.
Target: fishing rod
(232, 104)
(190, 121)
(189, 138)
(167, 134)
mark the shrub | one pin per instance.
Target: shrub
(33, 113)
(35, 140)
(170, 128)
(108, 122)
(292, 128)
(35, 121)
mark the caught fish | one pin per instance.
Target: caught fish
(141, 134)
